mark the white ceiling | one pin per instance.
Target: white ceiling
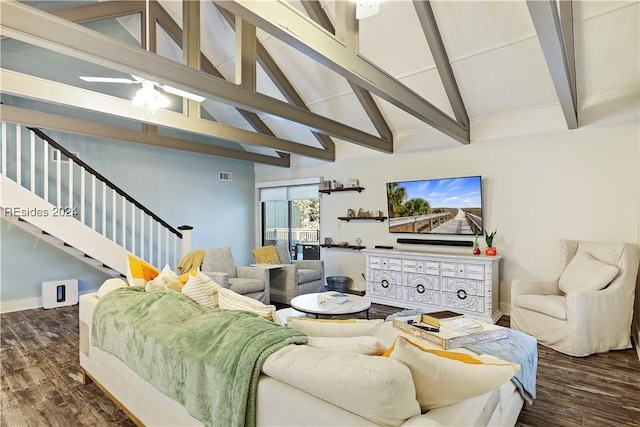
(494, 53)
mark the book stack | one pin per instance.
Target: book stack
(434, 318)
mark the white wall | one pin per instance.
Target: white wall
(579, 184)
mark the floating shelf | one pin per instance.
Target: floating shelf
(361, 218)
(354, 247)
(333, 190)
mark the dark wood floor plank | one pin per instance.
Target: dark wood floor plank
(42, 384)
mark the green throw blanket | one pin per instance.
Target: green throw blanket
(208, 360)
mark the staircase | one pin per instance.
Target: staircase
(51, 193)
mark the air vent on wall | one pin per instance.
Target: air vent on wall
(225, 176)
(57, 155)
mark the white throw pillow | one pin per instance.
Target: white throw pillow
(586, 273)
(443, 377)
(167, 279)
(110, 285)
(229, 300)
(199, 288)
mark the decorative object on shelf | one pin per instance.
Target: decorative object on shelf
(353, 183)
(337, 185)
(351, 213)
(360, 213)
(359, 241)
(488, 238)
(325, 185)
(476, 246)
(328, 240)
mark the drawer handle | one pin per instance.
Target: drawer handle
(384, 283)
(462, 294)
(420, 288)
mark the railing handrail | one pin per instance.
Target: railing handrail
(97, 174)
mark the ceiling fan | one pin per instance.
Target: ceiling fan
(148, 95)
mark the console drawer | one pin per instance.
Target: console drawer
(468, 303)
(419, 266)
(383, 263)
(422, 288)
(467, 271)
(384, 283)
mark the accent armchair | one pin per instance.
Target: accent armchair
(252, 282)
(295, 278)
(589, 307)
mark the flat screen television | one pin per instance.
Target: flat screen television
(451, 206)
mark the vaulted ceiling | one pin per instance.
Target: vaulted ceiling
(286, 78)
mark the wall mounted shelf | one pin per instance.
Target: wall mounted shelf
(335, 190)
(354, 247)
(361, 218)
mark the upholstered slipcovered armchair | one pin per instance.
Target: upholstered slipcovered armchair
(589, 307)
(249, 281)
(295, 278)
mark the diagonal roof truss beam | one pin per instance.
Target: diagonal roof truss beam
(294, 28)
(42, 29)
(436, 46)
(317, 13)
(57, 93)
(279, 79)
(549, 24)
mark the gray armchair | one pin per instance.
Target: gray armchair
(252, 282)
(295, 277)
(589, 307)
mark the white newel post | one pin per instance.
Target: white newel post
(186, 239)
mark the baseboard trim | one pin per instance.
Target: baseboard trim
(635, 336)
(20, 304)
(27, 303)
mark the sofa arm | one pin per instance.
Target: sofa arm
(221, 279)
(311, 264)
(521, 287)
(247, 272)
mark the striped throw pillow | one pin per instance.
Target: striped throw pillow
(199, 288)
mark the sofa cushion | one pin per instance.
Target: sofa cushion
(306, 275)
(284, 256)
(266, 255)
(376, 388)
(199, 288)
(442, 378)
(551, 305)
(245, 286)
(110, 285)
(363, 345)
(140, 272)
(334, 328)
(586, 273)
(219, 260)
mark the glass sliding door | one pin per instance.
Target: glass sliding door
(290, 216)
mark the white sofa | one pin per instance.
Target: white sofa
(300, 390)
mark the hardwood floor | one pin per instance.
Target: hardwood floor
(42, 385)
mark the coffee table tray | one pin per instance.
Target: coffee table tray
(448, 338)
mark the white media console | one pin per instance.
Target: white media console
(434, 281)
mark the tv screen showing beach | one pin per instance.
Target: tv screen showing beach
(436, 206)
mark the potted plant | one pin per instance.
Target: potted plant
(476, 246)
(488, 238)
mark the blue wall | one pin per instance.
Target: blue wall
(180, 187)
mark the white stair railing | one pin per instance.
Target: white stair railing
(41, 165)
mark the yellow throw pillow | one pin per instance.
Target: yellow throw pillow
(184, 278)
(442, 378)
(140, 272)
(266, 255)
(334, 328)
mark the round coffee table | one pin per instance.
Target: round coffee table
(308, 303)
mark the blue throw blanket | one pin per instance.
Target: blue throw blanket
(517, 347)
